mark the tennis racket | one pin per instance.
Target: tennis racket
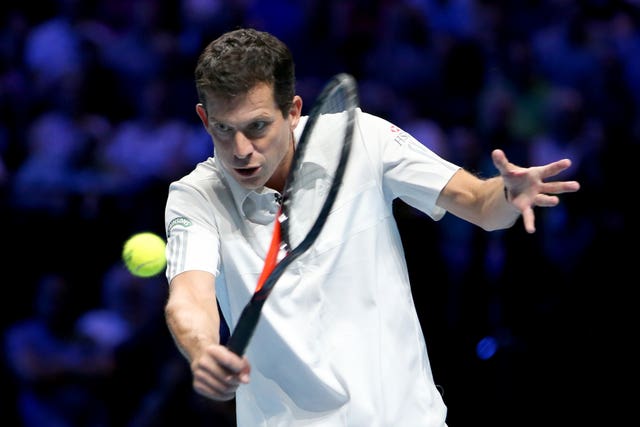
(310, 190)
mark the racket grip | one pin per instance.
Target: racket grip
(245, 327)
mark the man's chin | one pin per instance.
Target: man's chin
(252, 182)
(249, 180)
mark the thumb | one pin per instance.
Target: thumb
(500, 160)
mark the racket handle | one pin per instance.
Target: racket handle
(247, 323)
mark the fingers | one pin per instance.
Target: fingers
(231, 362)
(500, 161)
(213, 389)
(545, 200)
(559, 187)
(540, 200)
(555, 168)
(529, 220)
(218, 373)
(528, 188)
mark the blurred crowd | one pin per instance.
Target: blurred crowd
(97, 117)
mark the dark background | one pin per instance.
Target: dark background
(97, 117)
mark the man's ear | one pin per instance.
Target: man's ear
(202, 113)
(295, 111)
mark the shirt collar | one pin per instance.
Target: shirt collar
(259, 206)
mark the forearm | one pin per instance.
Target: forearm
(481, 202)
(194, 321)
(192, 318)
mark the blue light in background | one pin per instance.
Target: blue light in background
(486, 347)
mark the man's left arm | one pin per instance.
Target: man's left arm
(496, 203)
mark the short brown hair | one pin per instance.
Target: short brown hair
(236, 61)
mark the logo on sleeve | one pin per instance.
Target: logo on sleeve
(402, 137)
(185, 222)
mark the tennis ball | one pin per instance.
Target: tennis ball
(143, 254)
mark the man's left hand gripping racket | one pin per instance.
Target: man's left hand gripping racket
(312, 185)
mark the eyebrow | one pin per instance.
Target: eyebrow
(258, 118)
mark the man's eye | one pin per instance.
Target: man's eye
(256, 128)
(259, 125)
(221, 128)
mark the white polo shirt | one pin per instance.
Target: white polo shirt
(339, 342)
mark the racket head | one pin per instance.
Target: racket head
(316, 173)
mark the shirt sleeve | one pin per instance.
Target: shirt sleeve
(193, 241)
(410, 170)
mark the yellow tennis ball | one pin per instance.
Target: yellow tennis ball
(144, 254)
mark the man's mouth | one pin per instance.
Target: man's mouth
(246, 171)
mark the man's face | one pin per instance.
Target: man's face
(253, 141)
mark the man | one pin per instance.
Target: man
(340, 344)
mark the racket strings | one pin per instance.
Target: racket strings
(319, 162)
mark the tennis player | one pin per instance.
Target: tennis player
(339, 342)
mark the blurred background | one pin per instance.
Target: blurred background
(97, 118)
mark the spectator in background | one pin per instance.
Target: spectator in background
(123, 328)
(61, 174)
(149, 147)
(59, 379)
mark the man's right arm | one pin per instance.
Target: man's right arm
(194, 322)
(191, 312)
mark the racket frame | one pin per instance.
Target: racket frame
(250, 316)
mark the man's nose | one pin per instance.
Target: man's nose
(242, 146)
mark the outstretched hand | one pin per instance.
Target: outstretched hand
(525, 187)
